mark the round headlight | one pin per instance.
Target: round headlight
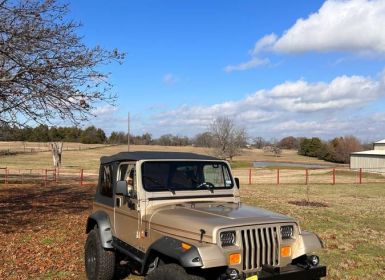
(227, 238)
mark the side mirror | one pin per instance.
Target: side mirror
(237, 182)
(122, 188)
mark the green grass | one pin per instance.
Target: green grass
(241, 164)
(47, 241)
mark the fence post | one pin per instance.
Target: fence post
(360, 176)
(334, 176)
(250, 176)
(278, 176)
(306, 176)
(45, 178)
(81, 177)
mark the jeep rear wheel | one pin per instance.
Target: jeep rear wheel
(99, 262)
(171, 271)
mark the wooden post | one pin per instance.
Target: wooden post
(360, 176)
(81, 176)
(250, 176)
(306, 176)
(277, 176)
(334, 176)
(45, 178)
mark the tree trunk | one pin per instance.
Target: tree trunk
(57, 149)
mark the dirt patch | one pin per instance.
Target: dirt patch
(308, 203)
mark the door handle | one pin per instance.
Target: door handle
(118, 202)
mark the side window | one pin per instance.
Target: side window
(127, 172)
(106, 181)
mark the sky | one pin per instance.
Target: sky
(278, 68)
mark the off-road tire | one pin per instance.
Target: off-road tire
(171, 271)
(99, 262)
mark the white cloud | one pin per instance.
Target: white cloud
(169, 79)
(290, 107)
(264, 44)
(253, 63)
(104, 110)
(355, 26)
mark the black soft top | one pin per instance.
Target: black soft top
(129, 156)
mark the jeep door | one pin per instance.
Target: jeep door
(125, 210)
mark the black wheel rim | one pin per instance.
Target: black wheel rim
(91, 260)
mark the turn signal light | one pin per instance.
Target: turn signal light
(286, 251)
(185, 246)
(235, 258)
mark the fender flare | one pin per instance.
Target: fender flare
(171, 247)
(102, 220)
(308, 243)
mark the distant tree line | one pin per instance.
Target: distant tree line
(337, 150)
(223, 136)
(43, 133)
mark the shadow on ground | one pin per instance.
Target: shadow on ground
(27, 207)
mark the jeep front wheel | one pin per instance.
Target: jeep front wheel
(99, 262)
(171, 271)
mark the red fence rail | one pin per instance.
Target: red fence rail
(46, 176)
(262, 176)
(307, 176)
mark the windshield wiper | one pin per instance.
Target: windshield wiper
(207, 185)
(159, 183)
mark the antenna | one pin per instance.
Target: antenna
(128, 131)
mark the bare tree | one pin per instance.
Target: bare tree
(57, 149)
(228, 139)
(204, 139)
(259, 142)
(46, 71)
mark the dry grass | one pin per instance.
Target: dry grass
(352, 225)
(42, 228)
(89, 158)
(42, 233)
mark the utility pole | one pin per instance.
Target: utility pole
(128, 131)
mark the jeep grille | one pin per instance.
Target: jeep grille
(260, 246)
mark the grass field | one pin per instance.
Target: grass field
(42, 227)
(89, 158)
(42, 233)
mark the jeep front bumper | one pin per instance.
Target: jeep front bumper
(289, 272)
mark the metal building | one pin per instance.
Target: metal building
(370, 161)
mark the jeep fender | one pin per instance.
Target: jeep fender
(102, 220)
(307, 243)
(171, 248)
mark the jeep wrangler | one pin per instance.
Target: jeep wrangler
(179, 216)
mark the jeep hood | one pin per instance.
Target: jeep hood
(188, 219)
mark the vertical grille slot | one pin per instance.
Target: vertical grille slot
(260, 246)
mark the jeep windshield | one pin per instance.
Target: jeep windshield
(185, 175)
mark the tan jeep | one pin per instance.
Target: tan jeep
(179, 216)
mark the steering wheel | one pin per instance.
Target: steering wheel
(208, 185)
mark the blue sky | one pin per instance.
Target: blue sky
(279, 68)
